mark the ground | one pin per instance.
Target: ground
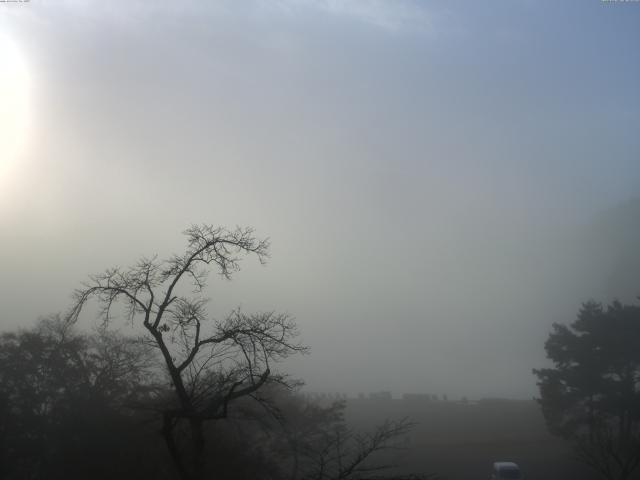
(461, 441)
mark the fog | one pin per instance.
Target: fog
(440, 181)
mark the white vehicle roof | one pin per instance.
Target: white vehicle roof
(500, 465)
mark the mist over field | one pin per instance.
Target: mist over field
(440, 182)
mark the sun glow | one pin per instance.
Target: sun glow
(14, 106)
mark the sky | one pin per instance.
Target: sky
(425, 170)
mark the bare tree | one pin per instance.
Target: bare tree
(317, 443)
(342, 454)
(210, 363)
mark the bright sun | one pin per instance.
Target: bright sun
(14, 99)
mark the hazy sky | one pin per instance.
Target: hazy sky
(418, 166)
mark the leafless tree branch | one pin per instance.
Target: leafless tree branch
(211, 364)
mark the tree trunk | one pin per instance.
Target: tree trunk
(167, 433)
(197, 439)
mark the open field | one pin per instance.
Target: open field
(461, 441)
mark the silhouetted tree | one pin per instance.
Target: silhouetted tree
(63, 400)
(333, 451)
(312, 441)
(592, 394)
(210, 363)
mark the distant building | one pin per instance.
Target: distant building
(380, 396)
(417, 397)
